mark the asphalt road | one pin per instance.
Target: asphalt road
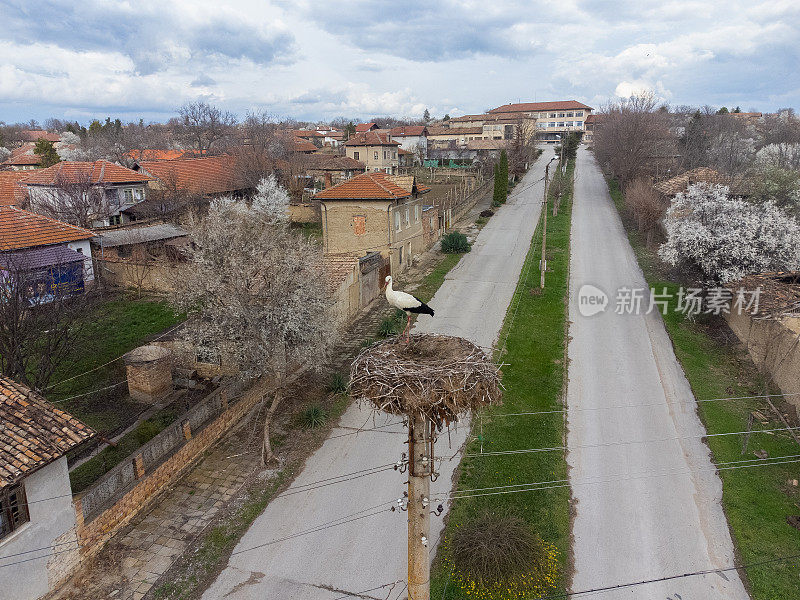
(645, 509)
(369, 552)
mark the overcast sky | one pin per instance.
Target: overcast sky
(317, 59)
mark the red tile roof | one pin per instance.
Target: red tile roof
(533, 106)
(24, 156)
(34, 135)
(154, 154)
(369, 186)
(206, 175)
(370, 138)
(11, 192)
(329, 162)
(23, 229)
(409, 130)
(362, 127)
(97, 172)
(338, 267)
(307, 133)
(34, 433)
(301, 145)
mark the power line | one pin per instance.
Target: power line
(669, 578)
(677, 403)
(335, 523)
(559, 483)
(611, 444)
(102, 389)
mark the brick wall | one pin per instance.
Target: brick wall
(94, 534)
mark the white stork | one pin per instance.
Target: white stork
(406, 302)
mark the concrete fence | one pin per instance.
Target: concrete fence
(124, 491)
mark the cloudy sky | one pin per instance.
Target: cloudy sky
(317, 59)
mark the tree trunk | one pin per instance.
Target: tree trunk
(267, 456)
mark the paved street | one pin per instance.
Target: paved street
(371, 552)
(660, 514)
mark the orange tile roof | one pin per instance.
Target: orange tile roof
(21, 229)
(338, 267)
(154, 154)
(307, 133)
(329, 162)
(97, 172)
(362, 127)
(24, 156)
(34, 433)
(533, 106)
(371, 138)
(368, 186)
(11, 192)
(206, 175)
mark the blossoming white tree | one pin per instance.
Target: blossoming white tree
(254, 290)
(722, 239)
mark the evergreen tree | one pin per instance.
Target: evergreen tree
(47, 151)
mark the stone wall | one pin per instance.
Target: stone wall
(774, 346)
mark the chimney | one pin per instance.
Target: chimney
(328, 180)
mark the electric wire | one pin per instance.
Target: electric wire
(633, 442)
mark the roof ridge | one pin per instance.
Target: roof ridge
(383, 187)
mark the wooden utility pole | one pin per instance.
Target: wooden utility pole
(543, 262)
(420, 469)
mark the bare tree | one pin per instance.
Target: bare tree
(264, 150)
(205, 127)
(645, 206)
(632, 129)
(37, 318)
(255, 292)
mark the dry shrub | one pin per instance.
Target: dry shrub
(498, 555)
(646, 206)
(439, 376)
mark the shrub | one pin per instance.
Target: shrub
(487, 213)
(498, 553)
(313, 417)
(455, 243)
(337, 383)
(645, 206)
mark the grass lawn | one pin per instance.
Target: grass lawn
(756, 500)
(534, 379)
(110, 327)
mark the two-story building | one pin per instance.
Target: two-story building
(496, 126)
(378, 151)
(552, 118)
(100, 191)
(374, 212)
(412, 138)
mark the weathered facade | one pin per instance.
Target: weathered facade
(378, 151)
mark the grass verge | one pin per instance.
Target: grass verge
(107, 330)
(756, 500)
(535, 339)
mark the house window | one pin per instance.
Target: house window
(384, 155)
(115, 220)
(394, 154)
(360, 224)
(401, 255)
(376, 155)
(560, 115)
(138, 194)
(416, 213)
(397, 220)
(552, 115)
(579, 113)
(355, 155)
(569, 114)
(13, 510)
(408, 217)
(578, 123)
(128, 195)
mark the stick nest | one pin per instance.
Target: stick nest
(439, 376)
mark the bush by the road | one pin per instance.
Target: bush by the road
(455, 243)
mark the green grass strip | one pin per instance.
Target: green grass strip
(757, 500)
(534, 379)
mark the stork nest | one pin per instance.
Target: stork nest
(439, 376)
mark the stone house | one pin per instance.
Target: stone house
(108, 187)
(37, 517)
(326, 170)
(378, 151)
(374, 212)
(49, 254)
